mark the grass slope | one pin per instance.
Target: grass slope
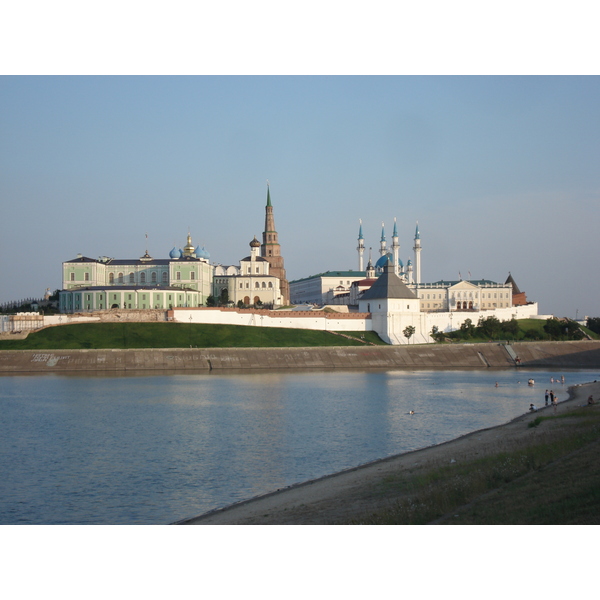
(554, 481)
(175, 335)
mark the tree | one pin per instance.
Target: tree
(593, 323)
(490, 326)
(467, 328)
(554, 328)
(224, 297)
(510, 328)
(211, 301)
(436, 334)
(408, 332)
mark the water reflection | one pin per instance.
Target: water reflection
(155, 448)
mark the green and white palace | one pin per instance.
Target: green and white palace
(185, 279)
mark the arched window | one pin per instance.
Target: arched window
(270, 285)
(257, 285)
(153, 277)
(165, 277)
(142, 277)
(264, 284)
(256, 299)
(111, 278)
(131, 278)
(120, 277)
(246, 299)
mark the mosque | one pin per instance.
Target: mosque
(347, 287)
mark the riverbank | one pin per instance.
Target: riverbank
(446, 483)
(559, 355)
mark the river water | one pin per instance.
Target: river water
(163, 447)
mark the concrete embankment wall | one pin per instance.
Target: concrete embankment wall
(478, 356)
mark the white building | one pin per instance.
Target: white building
(251, 282)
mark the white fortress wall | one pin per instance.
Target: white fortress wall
(302, 321)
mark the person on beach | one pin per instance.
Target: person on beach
(554, 400)
(496, 384)
(532, 408)
(590, 400)
(551, 397)
(547, 397)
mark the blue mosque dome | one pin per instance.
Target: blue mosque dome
(175, 253)
(204, 253)
(198, 252)
(384, 260)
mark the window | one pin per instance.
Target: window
(270, 285)
(86, 276)
(264, 284)
(154, 277)
(257, 285)
(241, 286)
(142, 277)
(131, 278)
(120, 277)
(178, 276)
(165, 277)
(193, 275)
(72, 276)
(111, 278)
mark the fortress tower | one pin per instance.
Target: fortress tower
(271, 251)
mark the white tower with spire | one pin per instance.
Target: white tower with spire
(396, 249)
(417, 249)
(409, 271)
(361, 246)
(382, 243)
(370, 268)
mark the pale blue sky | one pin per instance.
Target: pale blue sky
(501, 173)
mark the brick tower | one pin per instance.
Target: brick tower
(271, 251)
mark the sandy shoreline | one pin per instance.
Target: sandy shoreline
(337, 498)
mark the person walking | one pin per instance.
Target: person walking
(554, 400)
(547, 397)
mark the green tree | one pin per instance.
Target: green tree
(554, 328)
(409, 330)
(593, 323)
(436, 334)
(510, 328)
(211, 301)
(224, 297)
(467, 329)
(490, 327)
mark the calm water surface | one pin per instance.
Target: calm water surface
(160, 448)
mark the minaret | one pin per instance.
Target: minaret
(271, 251)
(409, 271)
(396, 250)
(382, 243)
(417, 250)
(361, 247)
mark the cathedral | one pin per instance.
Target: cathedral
(185, 279)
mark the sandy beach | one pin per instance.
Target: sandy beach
(343, 496)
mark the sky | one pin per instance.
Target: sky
(500, 172)
(167, 122)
